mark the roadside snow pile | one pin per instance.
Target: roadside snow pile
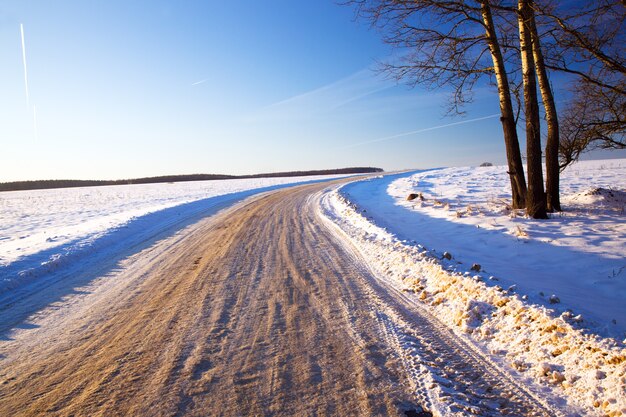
(43, 230)
(544, 348)
(573, 262)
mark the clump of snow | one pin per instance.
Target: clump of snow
(546, 344)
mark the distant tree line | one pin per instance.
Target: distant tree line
(48, 184)
(515, 45)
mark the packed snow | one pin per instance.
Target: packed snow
(41, 230)
(544, 298)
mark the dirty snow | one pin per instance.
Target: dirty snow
(547, 294)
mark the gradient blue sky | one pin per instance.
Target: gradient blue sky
(141, 88)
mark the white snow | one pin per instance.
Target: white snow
(43, 229)
(576, 259)
(579, 255)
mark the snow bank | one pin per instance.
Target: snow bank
(546, 349)
(577, 257)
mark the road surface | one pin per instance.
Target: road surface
(259, 310)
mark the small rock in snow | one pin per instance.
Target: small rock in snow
(411, 197)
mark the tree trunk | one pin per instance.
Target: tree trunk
(553, 201)
(509, 128)
(535, 197)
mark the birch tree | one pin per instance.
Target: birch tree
(553, 200)
(452, 44)
(535, 197)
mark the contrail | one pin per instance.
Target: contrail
(201, 81)
(399, 135)
(24, 59)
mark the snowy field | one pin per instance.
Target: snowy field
(41, 230)
(543, 298)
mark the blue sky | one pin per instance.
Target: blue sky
(121, 89)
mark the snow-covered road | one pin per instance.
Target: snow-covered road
(302, 290)
(259, 310)
(46, 234)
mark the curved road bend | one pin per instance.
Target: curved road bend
(259, 310)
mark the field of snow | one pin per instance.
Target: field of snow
(43, 229)
(540, 297)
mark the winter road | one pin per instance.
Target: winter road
(259, 310)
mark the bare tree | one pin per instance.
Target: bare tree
(535, 197)
(553, 201)
(452, 44)
(594, 119)
(508, 119)
(589, 43)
